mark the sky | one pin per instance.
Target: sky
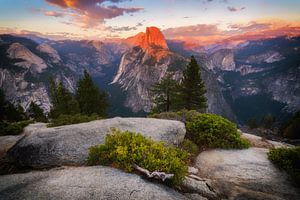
(191, 20)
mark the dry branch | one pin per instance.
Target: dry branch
(156, 175)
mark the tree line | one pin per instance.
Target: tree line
(88, 99)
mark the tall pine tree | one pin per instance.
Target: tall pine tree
(164, 94)
(192, 88)
(90, 98)
(63, 101)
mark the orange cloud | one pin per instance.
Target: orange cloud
(92, 13)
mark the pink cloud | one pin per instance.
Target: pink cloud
(205, 34)
(48, 12)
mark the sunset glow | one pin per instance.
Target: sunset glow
(194, 21)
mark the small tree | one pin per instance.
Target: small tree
(192, 88)
(164, 94)
(63, 101)
(90, 98)
(36, 113)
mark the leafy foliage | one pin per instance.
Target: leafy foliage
(36, 113)
(164, 93)
(89, 97)
(72, 119)
(213, 131)
(13, 128)
(63, 101)
(190, 147)
(123, 149)
(287, 159)
(192, 88)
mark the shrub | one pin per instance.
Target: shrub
(213, 131)
(190, 147)
(287, 159)
(123, 149)
(13, 128)
(72, 119)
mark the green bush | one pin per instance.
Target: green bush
(287, 159)
(72, 119)
(213, 131)
(13, 128)
(123, 149)
(190, 147)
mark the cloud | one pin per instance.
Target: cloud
(92, 13)
(124, 28)
(235, 9)
(53, 14)
(48, 12)
(191, 31)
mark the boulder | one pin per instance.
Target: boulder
(6, 142)
(68, 145)
(95, 182)
(245, 174)
(260, 142)
(196, 185)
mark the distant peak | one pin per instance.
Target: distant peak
(152, 37)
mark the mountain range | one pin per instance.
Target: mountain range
(250, 79)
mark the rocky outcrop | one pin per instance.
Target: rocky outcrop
(152, 38)
(267, 57)
(6, 142)
(83, 183)
(144, 65)
(245, 174)
(222, 59)
(46, 48)
(139, 70)
(68, 145)
(30, 60)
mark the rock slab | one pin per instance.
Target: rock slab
(245, 174)
(68, 145)
(76, 183)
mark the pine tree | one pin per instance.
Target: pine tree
(90, 98)
(36, 113)
(192, 88)
(63, 102)
(164, 94)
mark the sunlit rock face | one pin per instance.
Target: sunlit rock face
(148, 62)
(152, 37)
